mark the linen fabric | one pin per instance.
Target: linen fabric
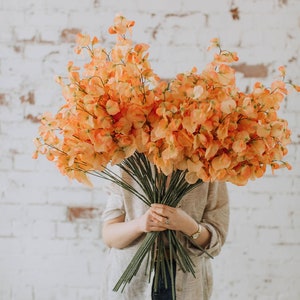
(207, 204)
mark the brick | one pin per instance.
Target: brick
(46, 212)
(13, 18)
(12, 246)
(22, 162)
(156, 7)
(43, 229)
(257, 6)
(9, 82)
(56, 5)
(5, 229)
(7, 115)
(255, 200)
(10, 51)
(266, 184)
(10, 212)
(288, 235)
(38, 51)
(6, 163)
(293, 103)
(68, 35)
(35, 18)
(28, 98)
(22, 229)
(268, 234)
(49, 35)
(66, 230)
(14, 193)
(31, 179)
(26, 33)
(294, 217)
(82, 247)
(89, 230)
(55, 292)
(5, 292)
(179, 36)
(211, 7)
(81, 212)
(88, 294)
(46, 246)
(13, 129)
(256, 71)
(23, 292)
(3, 101)
(72, 193)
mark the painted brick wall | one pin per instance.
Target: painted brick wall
(50, 228)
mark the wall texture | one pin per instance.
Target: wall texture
(50, 228)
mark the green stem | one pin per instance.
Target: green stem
(153, 184)
(136, 261)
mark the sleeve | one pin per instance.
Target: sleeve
(212, 212)
(114, 203)
(216, 216)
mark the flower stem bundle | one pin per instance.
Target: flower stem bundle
(153, 184)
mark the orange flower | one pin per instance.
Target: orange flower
(214, 43)
(198, 121)
(226, 57)
(212, 150)
(112, 107)
(282, 71)
(121, 25)
(228, 105)
(222, 161)
(296, 87)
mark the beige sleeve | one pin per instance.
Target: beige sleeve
(114, 203)
(216, 216)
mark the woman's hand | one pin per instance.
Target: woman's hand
(119, 234)
(147, 222)
(173, 218)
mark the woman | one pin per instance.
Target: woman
(201, 219)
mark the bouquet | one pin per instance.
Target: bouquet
(197, 127)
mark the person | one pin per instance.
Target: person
(200, 219)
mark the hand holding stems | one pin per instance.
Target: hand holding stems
(160, 217)
(175, 218)
(148, 222)
(119, 234)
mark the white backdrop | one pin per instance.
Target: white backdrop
(50, 228)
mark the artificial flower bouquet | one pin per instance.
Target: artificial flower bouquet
(197, 127)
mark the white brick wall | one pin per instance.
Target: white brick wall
(47, 250)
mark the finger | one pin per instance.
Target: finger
(159, 205)
(167, 221)
(159, 218)
(162, 209)
(157, 227)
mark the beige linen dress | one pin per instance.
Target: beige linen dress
(208, 205)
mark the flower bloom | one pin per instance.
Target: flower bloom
(198, 121)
